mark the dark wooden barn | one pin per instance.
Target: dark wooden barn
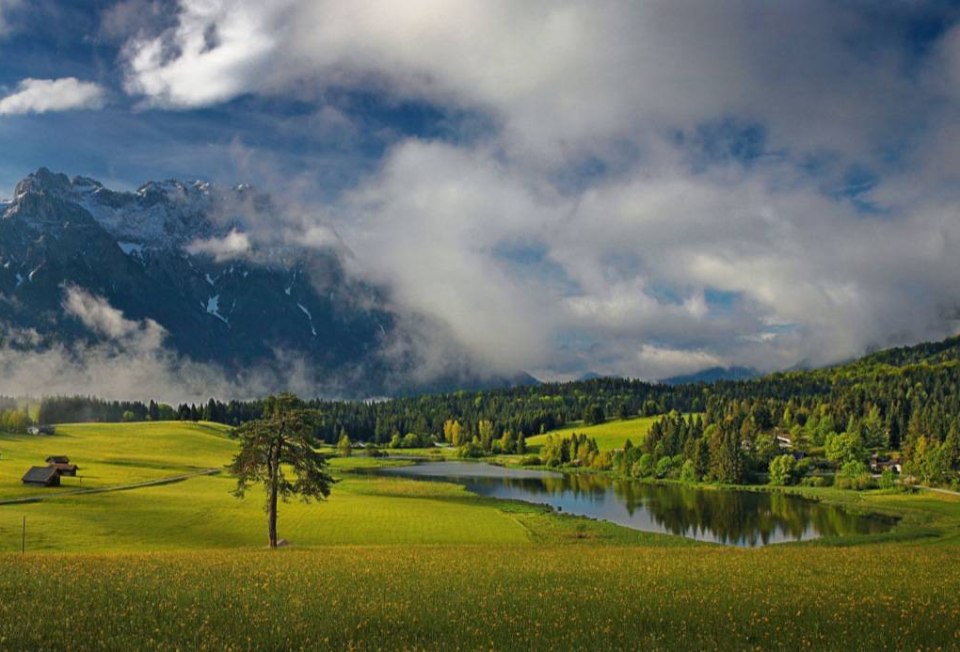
(46, 476)
(58, 459)
(66, 469)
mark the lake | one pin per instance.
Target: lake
(739, 518)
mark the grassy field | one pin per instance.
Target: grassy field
(114, 454)
(486, 597)
(397, 563)
(609, 435)
(200, 513)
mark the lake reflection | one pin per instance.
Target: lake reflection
(742, 518)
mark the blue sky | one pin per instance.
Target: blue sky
(630, 188)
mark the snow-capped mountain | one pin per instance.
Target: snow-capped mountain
(177, 254)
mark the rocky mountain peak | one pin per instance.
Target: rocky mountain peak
(44, 182)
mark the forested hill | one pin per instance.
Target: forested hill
(920, 380)
(926, 353)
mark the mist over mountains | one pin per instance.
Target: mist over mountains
(174, 290)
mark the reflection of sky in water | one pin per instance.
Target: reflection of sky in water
(739, 518)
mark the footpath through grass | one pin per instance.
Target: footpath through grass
(486, 597)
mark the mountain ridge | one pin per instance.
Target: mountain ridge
(183, 256)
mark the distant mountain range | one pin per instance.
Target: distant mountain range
(80, 263)
(713, 374)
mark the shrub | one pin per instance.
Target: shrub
(531, 460)
(783, 470)
(888, 479)
(853, 475)
(602, 462)
(643, 468)
(688, 473)
(470, 449)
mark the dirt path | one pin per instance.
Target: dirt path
(942, 491)
(100, 490)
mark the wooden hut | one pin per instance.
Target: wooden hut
(45, 476)
(66, 469)
(58, 459)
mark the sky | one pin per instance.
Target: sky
(629, 188)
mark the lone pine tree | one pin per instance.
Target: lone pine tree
(273, 446)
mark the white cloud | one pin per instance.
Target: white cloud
(103, 319)
(5, 7)
(235, 244)
(131, 362)
(561, 77)
(668, 256)
(46, 95)
(430, 226)
(220, 46)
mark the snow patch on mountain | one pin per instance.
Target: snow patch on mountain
(313, 328)
(213, 308)
(131, 248)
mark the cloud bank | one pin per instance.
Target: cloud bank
(662, 186)
(46, 95)
(234, 245)
(129, 361)
(566, 186)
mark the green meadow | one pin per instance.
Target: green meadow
(396, 563)
(609, 435)
(200, 512)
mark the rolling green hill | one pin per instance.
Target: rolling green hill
(200, 512)
(609, 435)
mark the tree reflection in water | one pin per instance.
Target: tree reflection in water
(742, 518)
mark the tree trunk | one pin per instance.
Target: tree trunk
(274, 470)
(272, 516)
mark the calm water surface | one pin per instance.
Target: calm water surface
(741, 518)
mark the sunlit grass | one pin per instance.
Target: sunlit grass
(485, 597)
(609, 435)
(114, 454)
(400, 563)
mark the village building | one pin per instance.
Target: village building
(58, 459)
(881, 463)
(784, 442)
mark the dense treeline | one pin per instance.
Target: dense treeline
(77, 409)
(905, 401)
(13, 416)
(873, 416)
(528, 410)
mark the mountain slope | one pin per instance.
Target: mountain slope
(712, 375)
(80, 263)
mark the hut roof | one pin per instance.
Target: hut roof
(40, 474)
(66, 467)
(58, 459)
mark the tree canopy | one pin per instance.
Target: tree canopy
(272, 446)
